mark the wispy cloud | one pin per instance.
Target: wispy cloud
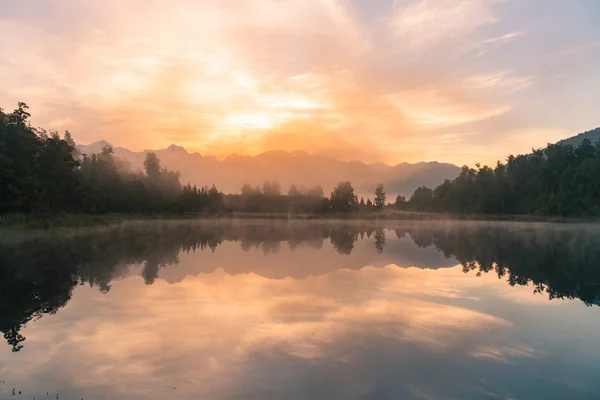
(484, 46)
(435, 108)
(502, 39)
(322, 75)
(499, 80)
(425, 23)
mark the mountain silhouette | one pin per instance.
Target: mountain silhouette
(593, 136)
(298, 167)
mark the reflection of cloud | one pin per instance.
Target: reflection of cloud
(197, 334)
(504, 354)
(384, 332)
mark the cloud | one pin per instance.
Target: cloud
(436, 108)
(503, 38)
(499, 80)
(327, 76)
(425, 23)
(486, 45)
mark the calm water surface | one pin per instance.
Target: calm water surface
(302, 310)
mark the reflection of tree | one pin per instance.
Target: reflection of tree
(156, 261)
(14, 338)
(34, 280)
(37, 276)
(343, 239)
(421, 237)
(379, 240)
(565, 263)
(150, 272)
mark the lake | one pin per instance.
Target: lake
(302, 310)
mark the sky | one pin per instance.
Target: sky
(460, 81)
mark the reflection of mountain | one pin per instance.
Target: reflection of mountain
(37, 276)
(305, 259)
(299, 167)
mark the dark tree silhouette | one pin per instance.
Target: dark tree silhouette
(379, 197)
(558, 180)
(42, 173)
(343, 198)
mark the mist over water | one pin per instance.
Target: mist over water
(302, 309)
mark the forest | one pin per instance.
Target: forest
(44, 173)
(559, 180)
(40, 172)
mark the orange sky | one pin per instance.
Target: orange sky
(460, 81)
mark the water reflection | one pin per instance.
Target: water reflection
(38, 275)
(235, 307)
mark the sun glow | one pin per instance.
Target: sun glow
(249, 120)
(190, 71)
(291, 103)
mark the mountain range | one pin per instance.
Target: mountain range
(298, 167)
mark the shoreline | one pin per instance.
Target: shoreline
(65, 220)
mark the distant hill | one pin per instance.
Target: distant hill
(298, 167)
(593, 136)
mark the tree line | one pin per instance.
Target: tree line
(270, 198)
(42, 172)
(558, 180)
